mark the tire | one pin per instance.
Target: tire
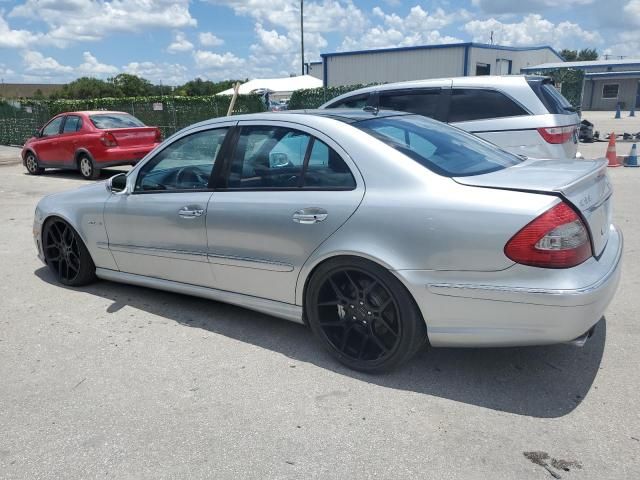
(66, 254)
(363, 315)
(31, 164)
(87, 168)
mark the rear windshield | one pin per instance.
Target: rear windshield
(441, 148)
(106, 121)
(551, 97)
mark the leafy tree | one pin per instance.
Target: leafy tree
(568, 55)
(87, 87)
(198, 87)
(131, 85)
(579, 56)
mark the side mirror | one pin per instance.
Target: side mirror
(37, 133)
(278, 160)
(117, 183)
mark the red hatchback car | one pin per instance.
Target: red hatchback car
(88, 142)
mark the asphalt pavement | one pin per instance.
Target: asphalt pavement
(115, 381)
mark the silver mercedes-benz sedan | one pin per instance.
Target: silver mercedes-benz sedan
(381, 231)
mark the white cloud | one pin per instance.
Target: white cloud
(93, 68)
(15, 38)
(532, 30)
(180, 44)
(89, 20)
(167, 73)
(208, 39)
(37, 64)
(632, 9)
(419, 27)
(509, 6)
(213, 61)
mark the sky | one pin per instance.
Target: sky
(172, 41)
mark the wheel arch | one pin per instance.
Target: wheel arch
(60, 216)
(27, 151)
(80, 152)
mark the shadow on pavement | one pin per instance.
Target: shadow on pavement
(542, 382)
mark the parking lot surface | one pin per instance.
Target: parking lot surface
(115, 381)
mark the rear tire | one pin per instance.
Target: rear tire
(31, 164)
(66, 254)
(87, 168)
(363, 315)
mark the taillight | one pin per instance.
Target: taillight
(557, 134)
(158, 135)
(108, 140)
(556, 239)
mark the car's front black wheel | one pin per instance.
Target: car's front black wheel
(31, 164)
(363, 315)
(66, 254)
(87, 168)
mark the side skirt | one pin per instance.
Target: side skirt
(286, 311)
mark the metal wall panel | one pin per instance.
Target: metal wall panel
(627, 91)
(519, 59)
(396, 66)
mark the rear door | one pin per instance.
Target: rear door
(285, 190)
(69, 139)
(47, 147)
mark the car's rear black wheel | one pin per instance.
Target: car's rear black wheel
(66, 254)
(363, 315)
(31, 164)
(87, 168)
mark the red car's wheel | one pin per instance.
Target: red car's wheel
(31, 163)
(87, 168)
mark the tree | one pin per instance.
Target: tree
(588, 54)
(585, 54)
(199, 87)
(568, 55)
(131, 85)
(87, 87)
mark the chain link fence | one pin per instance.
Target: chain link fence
(19, 119)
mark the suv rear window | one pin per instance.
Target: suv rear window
(552, 99)
(106, 121)
(478, 104)
(442, 149)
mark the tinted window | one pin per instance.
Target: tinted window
(423, 102)
(268, 157)
(445, 150)
(105, 121)
(357, 101)
(72, 124)
(186, 164)
(326, 169)
(476, 104)
(53, 128)
(549, 95)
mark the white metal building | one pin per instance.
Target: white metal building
(430, 61)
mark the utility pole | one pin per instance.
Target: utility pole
(302, 33)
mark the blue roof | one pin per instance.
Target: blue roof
(444, 45)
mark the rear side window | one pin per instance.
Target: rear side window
(551, 98)
(442, 149)
(72, 124)
(422, 102)
(478, 104)
(115, 120)
(357, 101)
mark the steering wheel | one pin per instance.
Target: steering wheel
(191, 175)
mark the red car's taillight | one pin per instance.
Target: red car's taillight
(557, 135)
(556, 239)
(108, 140)
(158, 135)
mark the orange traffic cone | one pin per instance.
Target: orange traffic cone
(611, 152)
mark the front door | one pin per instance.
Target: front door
(48, 144)
(286, 189)
(158, 230)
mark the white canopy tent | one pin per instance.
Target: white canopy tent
(277, 87)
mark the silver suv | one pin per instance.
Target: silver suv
(525, 115)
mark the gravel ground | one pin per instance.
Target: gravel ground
(114, 381)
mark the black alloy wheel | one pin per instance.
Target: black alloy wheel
(364, 316)
(66, 254)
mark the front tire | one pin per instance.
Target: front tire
(66, 254)
(363, 315)
(31, 164)
(87, 168)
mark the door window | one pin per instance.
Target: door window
(325, 169)
(186, 164)
(423, 102)
(53, 127)
(72, 124)
(477, 104)
(357, 101)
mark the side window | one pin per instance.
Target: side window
(326, 169)
(73, 124)
(268, 157)
(357, 101)
(477, 104)
(423, 102)
(53, 128)
(186, 164)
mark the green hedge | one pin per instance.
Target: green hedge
(314, 97)
(20, 118)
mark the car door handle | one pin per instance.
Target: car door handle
(190, 212)
(310, 215)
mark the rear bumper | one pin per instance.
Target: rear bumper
(122, 155)
(518, 306)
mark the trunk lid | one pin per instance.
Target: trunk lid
(134, 137)
(584, 183)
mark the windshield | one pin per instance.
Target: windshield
(115, 120)
(441, 148)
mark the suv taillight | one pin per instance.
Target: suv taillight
(556, 239)
(108, 140)
(557, 134)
